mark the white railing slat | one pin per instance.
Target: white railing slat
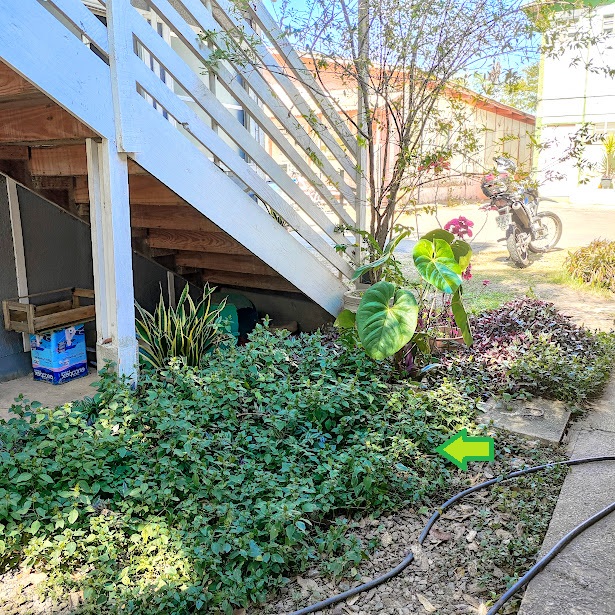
(263, 90)
(291, 90)
(85, 20)
(266, 22)
(206, 135)
(191, 82)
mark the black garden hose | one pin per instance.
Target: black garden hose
(436, 515)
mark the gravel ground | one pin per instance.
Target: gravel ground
(469, 557)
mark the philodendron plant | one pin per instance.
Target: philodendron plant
(387, 318)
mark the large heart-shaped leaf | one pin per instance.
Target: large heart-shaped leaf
(461, 317)
(386, 319)
(439, 233)
(436, 264)
(463, 253)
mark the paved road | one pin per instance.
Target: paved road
(581, 224)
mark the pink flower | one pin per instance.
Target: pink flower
(460, 227)
(486, 282)
(467, 274)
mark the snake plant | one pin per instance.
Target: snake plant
(189, 330)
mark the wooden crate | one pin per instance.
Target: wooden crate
(31, 318)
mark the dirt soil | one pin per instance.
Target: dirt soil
(466, 560)
(545, 278)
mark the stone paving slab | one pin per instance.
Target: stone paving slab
(538, 418)
(47, 394)
(581, 579)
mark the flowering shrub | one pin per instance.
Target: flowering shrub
(460, 227)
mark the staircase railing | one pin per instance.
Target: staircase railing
(210, 70)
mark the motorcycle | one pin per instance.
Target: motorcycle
(526, 229)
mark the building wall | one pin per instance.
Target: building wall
(58, 253)
(569, 96)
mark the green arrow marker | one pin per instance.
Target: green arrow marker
(461, 448)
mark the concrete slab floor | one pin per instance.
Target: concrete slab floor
(581, 579)
(47, 394)
(538, 418)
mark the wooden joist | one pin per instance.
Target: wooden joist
(45, 123)
(170, 217)
(195, 241)
(52, 183)
(13, 87)
(14, 152)
(244, 280)
(225, 262)
(66, 160)
(144, 190)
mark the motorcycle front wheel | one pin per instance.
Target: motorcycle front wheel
(550, 232)
(517, 244)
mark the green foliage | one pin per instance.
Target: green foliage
(382, 264)
(526, 347)
(547, 369)
(608, 162)
(594, 264)
(346, 319)
(205, 489)
(437, 265)
(386, 319)
(388, 315)
(189, 331)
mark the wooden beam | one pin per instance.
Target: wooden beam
(224, 262)
(52, 183)
(243, 280)
(66, 160)
(14, 87)
(170, 217)
(42, 123)
(194, 241)
(144, 190)
(14, 152)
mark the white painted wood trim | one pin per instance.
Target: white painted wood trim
(291, 90)
(267, 23)
(79, 81)
(205, 135)
(193, 177)
(73, 76)
(191, 82)
(18, 250)
(112, 256)
(263, 90)
(123, 88)
(84, 20)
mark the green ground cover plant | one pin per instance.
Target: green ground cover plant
(527, 347)
(593, 264)
(204, 489)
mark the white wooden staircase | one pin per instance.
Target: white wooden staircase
(235, 145)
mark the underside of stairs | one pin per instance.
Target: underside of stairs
(205, 201)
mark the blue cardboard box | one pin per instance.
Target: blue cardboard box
(59, 356)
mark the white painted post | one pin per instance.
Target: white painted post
(18, 249)
(123, 85)
(112, 257)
